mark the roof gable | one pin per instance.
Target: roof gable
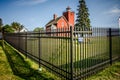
(51, 22)
(65, 20)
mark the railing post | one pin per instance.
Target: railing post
(26, 44)
(19, 41)
(110, 45)
(3, 38)
(39, 49)
(71, 51)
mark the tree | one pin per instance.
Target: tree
(82, 21)
(7, 28)
(16, 26)
(38, 29)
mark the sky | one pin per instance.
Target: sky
(37, 13)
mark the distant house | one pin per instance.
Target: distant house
(64, 21)
(24, 29)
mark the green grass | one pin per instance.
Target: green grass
(110, 73)
(6, 72)
(20, 68)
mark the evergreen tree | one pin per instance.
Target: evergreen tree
(82, 21)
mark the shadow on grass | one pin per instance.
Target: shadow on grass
(85, 63)
(22, 68)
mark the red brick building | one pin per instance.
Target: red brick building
(64, 21)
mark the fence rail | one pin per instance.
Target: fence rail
(68, 53)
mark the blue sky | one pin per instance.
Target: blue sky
(36, 13)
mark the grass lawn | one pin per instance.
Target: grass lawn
(110, 73)
(6, 72)
(14, 66)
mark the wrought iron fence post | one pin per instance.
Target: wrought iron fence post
(39, 49)
(26, 44)
(110, 45)
(19, 40)
(3, 38)
(71, 51)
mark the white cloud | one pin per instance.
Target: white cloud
(114, 10)
(29, 2)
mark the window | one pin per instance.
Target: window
(62, 24)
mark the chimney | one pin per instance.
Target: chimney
(54, 16)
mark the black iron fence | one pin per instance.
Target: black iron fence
(68, 53)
